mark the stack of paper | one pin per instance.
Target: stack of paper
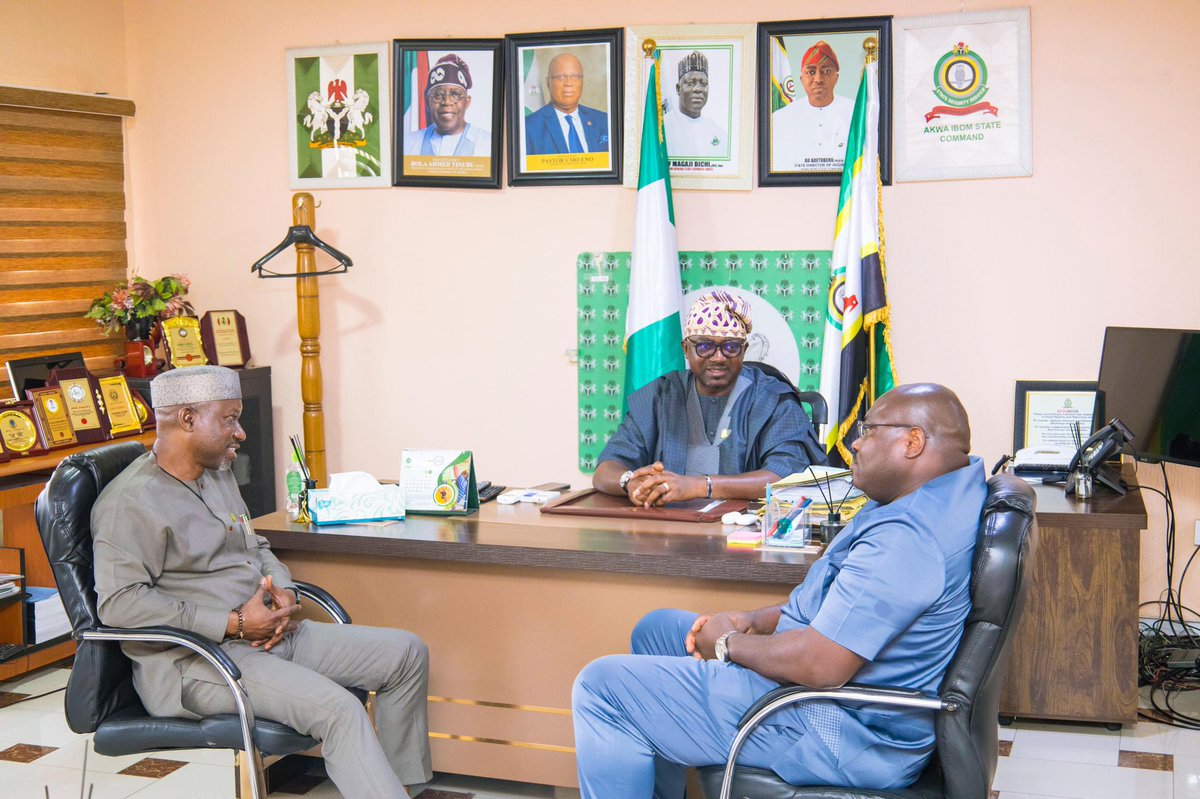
(45, 615)
(834, 485)
(10, 584)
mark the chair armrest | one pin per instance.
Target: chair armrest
(167, 635)
(324, 600)
(787, 695)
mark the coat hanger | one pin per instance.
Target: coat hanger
(302, 234)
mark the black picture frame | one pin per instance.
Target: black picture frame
(843, 32)
(461, 170)
(538, 130)
(1027, 387)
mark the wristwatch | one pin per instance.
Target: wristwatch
(722, 646)
(625, 478)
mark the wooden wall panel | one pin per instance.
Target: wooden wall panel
(62, 222)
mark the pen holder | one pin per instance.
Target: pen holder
(303, 517)
(1081, 480)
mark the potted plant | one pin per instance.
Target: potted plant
(136, 304)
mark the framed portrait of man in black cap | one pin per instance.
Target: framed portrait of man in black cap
(448, 100)
(707, 75)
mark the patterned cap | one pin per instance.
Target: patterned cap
(818, 53)
(719, 314)
(450, 70)
(193, 385)
(694, 61)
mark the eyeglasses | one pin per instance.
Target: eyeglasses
(447, 95)
(706, 348)
(865, 428)
(574, 77)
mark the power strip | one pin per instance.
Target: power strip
(1183, 659)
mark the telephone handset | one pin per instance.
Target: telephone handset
(1101, 446)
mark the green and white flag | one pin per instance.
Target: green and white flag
(856, 364)
(531, 90)
(653, 327)
(783, 85)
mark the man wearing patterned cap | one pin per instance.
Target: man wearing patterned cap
(447, 98)
(174, 548)
(690, 134)
(809, 135)
(720, 429)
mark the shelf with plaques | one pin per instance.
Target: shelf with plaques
(51, 459)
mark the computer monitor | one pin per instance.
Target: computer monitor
(26, 373)
(1150, 380)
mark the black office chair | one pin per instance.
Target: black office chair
(964, 760)
(100, 696)
(818, 409)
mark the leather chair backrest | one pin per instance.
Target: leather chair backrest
(101, 682)
(818, 409)
(967, 747)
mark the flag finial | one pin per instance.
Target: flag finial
(871, 45)
(648, 47)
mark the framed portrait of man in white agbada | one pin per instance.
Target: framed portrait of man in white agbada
(809, 73)
(707, 75)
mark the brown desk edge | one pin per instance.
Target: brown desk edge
(517, 535)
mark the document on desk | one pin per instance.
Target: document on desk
(591, 502)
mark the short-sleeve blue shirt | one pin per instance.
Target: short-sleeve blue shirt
(894, 588)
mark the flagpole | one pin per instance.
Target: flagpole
(871, 44)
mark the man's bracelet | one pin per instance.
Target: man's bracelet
(709, 479)
(241, 623)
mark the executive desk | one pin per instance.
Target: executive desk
(513, 603)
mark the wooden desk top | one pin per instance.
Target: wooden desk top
(1106, 509)
(519, 535)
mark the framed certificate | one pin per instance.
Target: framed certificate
(224, 337)
(118, 404)
(81, 391)
(1047, 412)
(50, 416)
(185, 346)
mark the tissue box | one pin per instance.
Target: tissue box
(355, 497)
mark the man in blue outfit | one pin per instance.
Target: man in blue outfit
(884, 605)
(719, 430)
(563, 125)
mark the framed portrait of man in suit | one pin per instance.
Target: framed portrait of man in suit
(447, 125)
(564, 107)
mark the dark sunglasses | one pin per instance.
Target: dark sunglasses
(706, 348)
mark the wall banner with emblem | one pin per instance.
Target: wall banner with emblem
(787, 291)
(963, 96)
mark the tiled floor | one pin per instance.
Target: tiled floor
(1038, 761)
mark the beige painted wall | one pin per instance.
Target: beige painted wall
(452, 326)
(64, 45)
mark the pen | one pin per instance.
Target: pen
(785, 524)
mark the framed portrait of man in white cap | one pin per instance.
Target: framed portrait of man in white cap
(707, 75)
(447, 113)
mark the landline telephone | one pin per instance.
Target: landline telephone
(1101, 446)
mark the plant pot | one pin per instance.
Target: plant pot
(139, 329)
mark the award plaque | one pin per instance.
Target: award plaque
(225, 340)
(84, 400)
(18, 431)
(181, 334)
(50, 415)
(145, 413)
(118, 404)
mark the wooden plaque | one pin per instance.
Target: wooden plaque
(18, 431)
(50, 415)
(181, 335)
(225, 339)
(118, 404)
(81, 391)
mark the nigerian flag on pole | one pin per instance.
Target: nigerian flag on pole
(652, 324)
(856, 365)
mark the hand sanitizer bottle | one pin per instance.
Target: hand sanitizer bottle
(293, 478)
